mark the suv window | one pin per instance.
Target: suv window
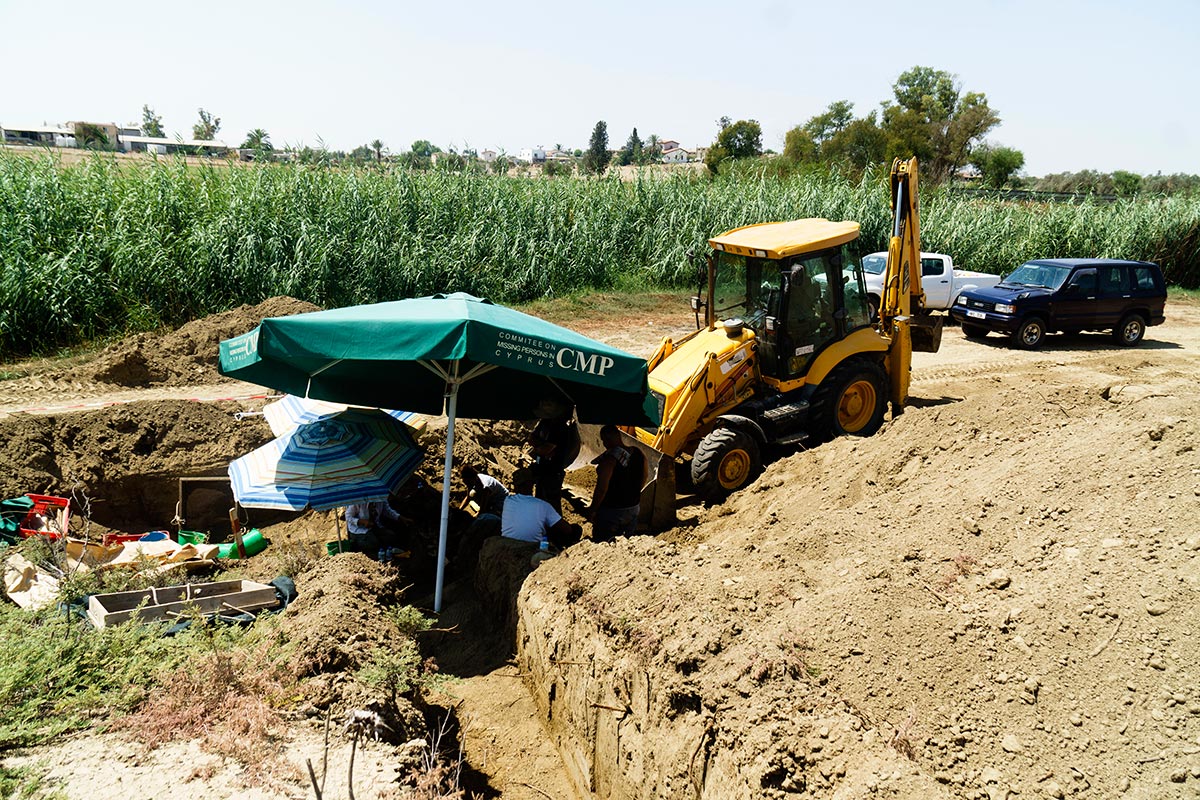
(1085, 279)
(1143, 279)
(1113, 281)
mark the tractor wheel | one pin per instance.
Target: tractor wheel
(850, 401)
(724, 461)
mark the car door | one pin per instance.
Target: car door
(935, 280)
(1114, 297)
(1074, 304)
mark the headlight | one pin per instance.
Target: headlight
(960, 301)
(1005, 308)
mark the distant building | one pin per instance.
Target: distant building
(676, 155)
(47, 135)
(487, 156)
(164, 146)
(533, 155)
(668, 144)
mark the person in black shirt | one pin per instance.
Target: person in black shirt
(555, 443)
(620, 476)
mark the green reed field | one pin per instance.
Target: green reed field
(96, 249)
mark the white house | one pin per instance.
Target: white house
(667, 144)
(487, 156)
(533, 155)
(676, 155)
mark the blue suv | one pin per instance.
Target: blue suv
(1068, 295)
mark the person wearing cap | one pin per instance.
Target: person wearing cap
(620, 476)
(555, 443)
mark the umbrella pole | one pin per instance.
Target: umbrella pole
(451, 408)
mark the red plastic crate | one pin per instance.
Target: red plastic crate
(56, 512)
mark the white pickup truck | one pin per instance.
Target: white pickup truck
(940, 279)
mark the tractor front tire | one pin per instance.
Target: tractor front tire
(850, 401)
(724, 461)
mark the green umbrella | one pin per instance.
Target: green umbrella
(466, 355)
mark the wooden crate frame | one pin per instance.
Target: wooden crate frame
(172, 602)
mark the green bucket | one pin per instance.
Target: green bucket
(333, 548)
(192, 537)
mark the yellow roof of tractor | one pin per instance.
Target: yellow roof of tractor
(782, 239)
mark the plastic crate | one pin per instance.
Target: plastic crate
(49, 517)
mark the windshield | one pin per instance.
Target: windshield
(1037, 273)
(875, 263)
(739, 290)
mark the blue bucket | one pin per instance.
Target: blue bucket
(155, 536)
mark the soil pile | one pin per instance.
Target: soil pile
(338, 624)
(995, 596)
(125, 458)
(181, 357)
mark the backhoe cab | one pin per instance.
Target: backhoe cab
(789, 350)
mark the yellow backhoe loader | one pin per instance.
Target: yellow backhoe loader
(789, 350)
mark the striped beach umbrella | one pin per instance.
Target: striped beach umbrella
(359, 455)
(290, 412)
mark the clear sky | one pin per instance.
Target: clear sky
(1100, 85)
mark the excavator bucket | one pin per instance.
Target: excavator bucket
(926, 334)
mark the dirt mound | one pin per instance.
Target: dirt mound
(125, 458)
(180, 357)
(339, 617)
(495, 448)
(993, 597)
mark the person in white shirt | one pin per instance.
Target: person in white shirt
(522, 517)
(485, 490)
(369, 525)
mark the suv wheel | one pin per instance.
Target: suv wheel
(1130, 331)
(1029, 336)
(974, 331)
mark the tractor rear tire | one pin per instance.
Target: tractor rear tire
(725, 461)
(850, 401)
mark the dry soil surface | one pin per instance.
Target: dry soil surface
(994, 597)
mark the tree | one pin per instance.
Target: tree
(652, 150)
(859, 145)
(258, 139)
(833, 121)
(206, 129)
(631, 153)
(151, 123)
(741, 139)
(1126, 183)
(799, 147)
(420, 155)
(998, 164)
(91, 136)
(596, 159)
(932, 119)
(377, 146)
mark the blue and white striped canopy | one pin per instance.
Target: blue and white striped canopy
(359, 455)
(290, 411)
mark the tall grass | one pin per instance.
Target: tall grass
(96, 248)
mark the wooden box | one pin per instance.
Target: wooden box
(173, 602)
